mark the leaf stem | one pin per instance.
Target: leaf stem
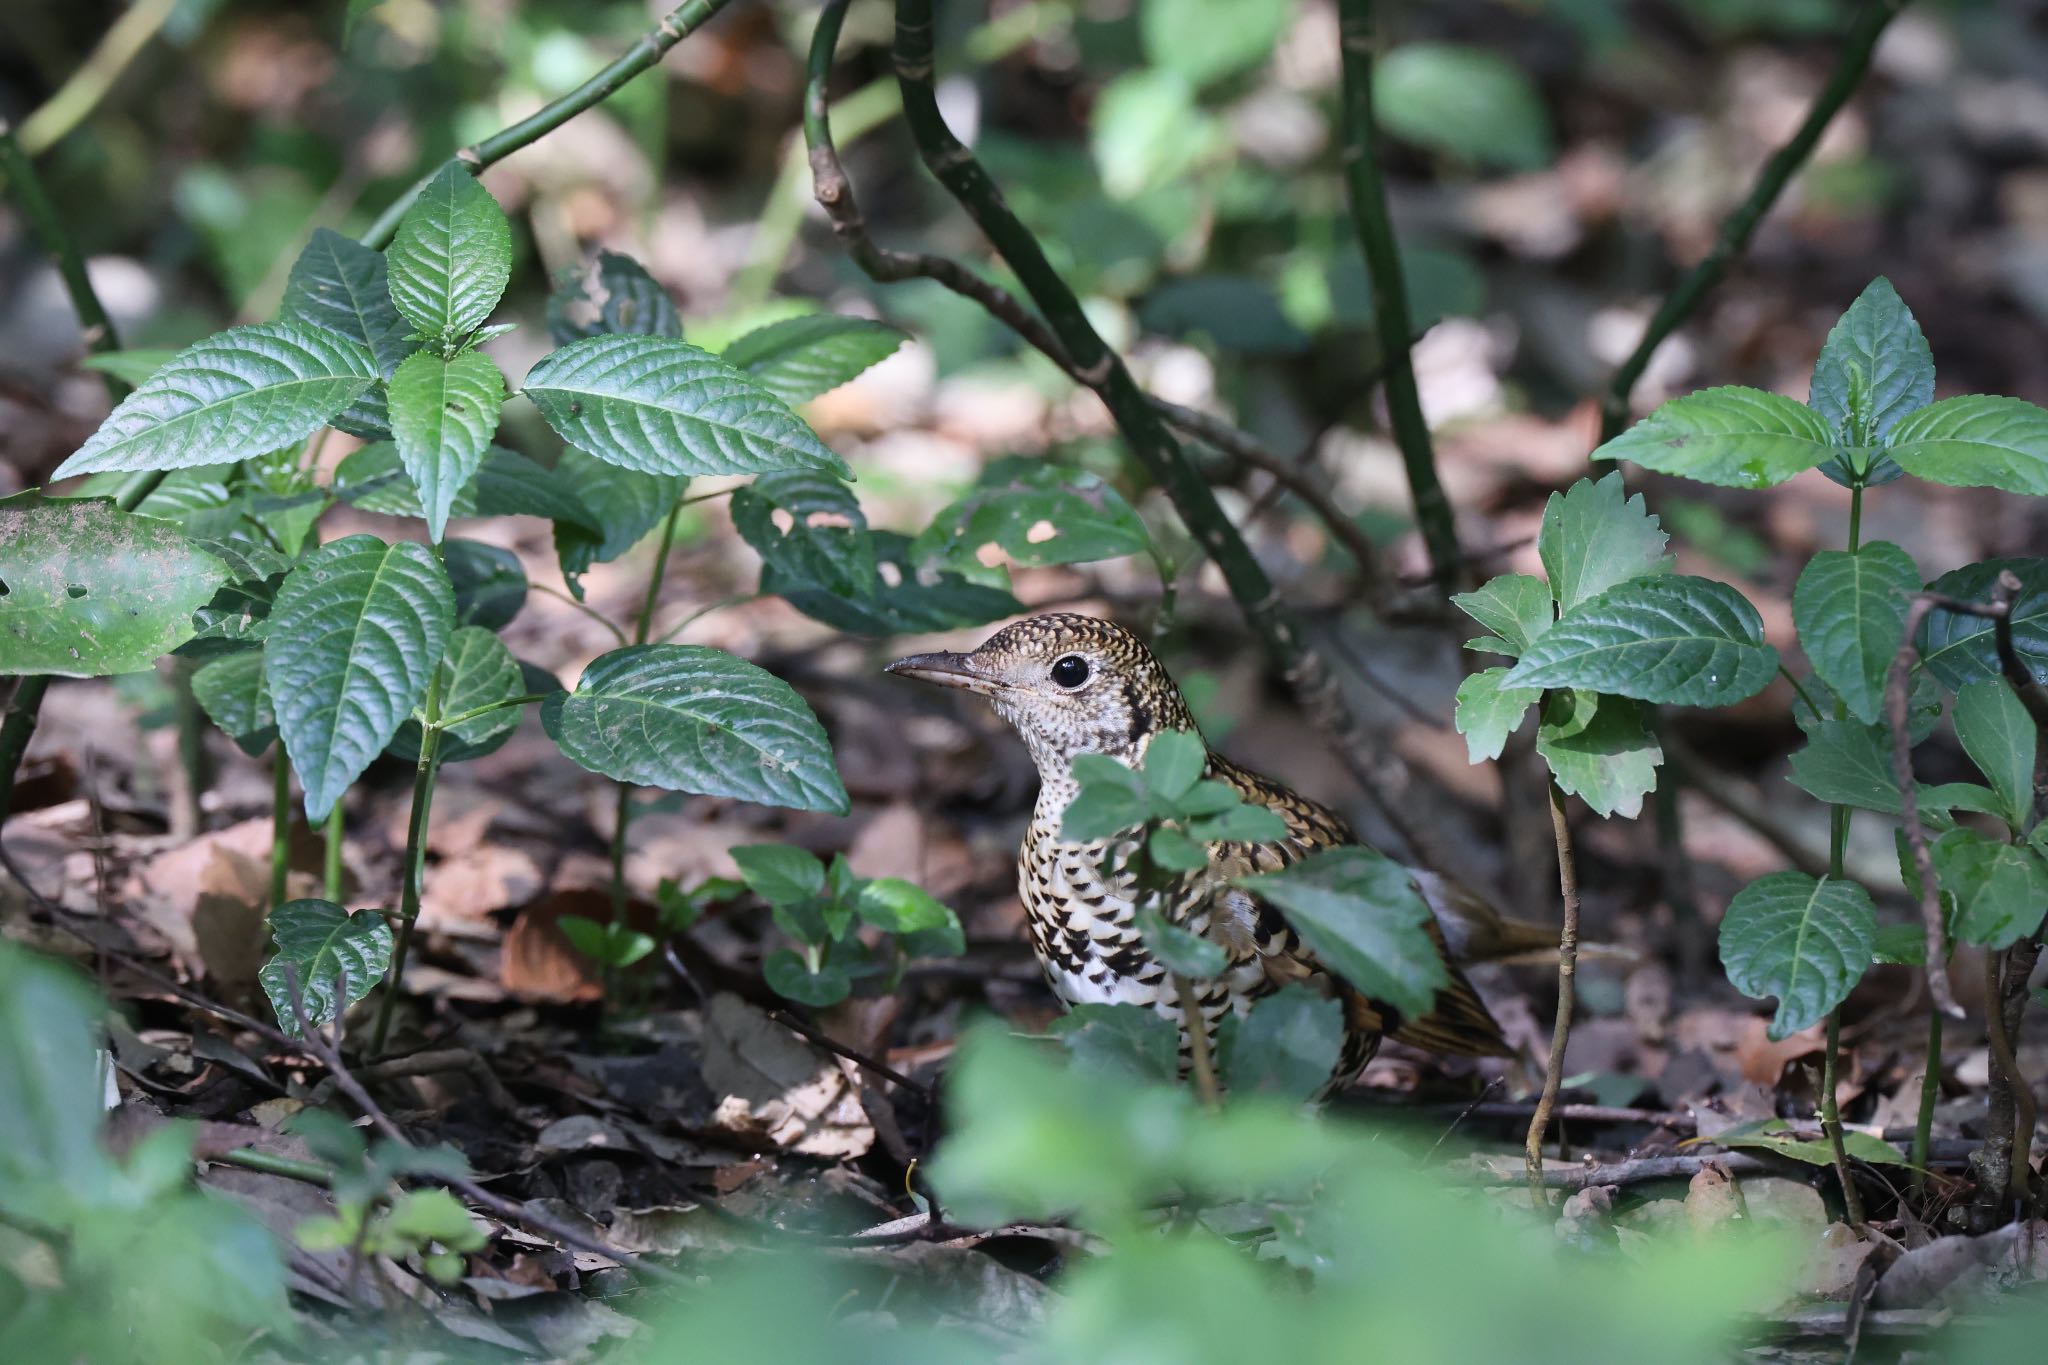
(1830, 1114)
(415, 857)
(1567, 977)
(694, 617)
(331, 882)
(525, 699)
(280, 823)
(592, 612)
(622, 817)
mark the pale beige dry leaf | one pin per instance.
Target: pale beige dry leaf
(778, 1089)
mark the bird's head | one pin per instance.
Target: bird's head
(1069, 684)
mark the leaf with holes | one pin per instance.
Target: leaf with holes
(662, 406)
(623, 506)
(1361, 914)
(356, 632)
(1285, 1049)
(333, 957)
(238, 394)
(342, 285)
(1978, 440)
(87, 589)
(1850, 609)
(1875, 368)
(1999, 737)
(1608, 759)
(1489, 711)
(1673, 638)
(1732, 436)
(235, 695)
(1516, 607)
(910, 599)
(451, 258)
(824, 547)
(2000, 889)
(1594, 536)
(1037, 513)
(689, 718)
(1960, 649)
(1806, 941)
(443, 414)
(627, 301)
(799, 358)
(480, 671)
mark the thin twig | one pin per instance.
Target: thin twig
(1897, 689)
(1567, 973)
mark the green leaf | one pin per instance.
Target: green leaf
(50, 1154)
(1207, 40)
(1978, 440)
(1360, 912)
(799, 358)
(629, 301)
(480, 670)
(1848, 763)
(919, 600)
(1901, 945)
(690, 718)
(234, 694)
(1850, 609)
(1732, 436)
(1123, 1042)
(625, 504)
(239, 393)
(906, 910)
(1466, 102)
(780, 874)
(788, 977)
(1179, 950)
(1238, 823)
(1959, 649)
(1803, 940)
(1175, 851)
(1174, 760)
(1111, 800)
(355, 634)
(507, 485)
(826, 546)
(1970, 796)
(1594, 537)
(132, 367)
(2000, 889)
(1608, 760)
(1674, 638)
(451, 257)
(1999, 737)
(489, 583)
(87, 590)
(340, 284)
(610, 945)
(1775, 1135)
(1516, 607)
(662, 406)
(1146, 132)
(1037, 513)
(1875, 368)
(1488, 712)
(337, 958)
(1286, 1048)
(443, 414)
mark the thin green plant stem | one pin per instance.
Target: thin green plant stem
(657, 575)
(1830, 1113)
(1740, 225)
(644, 54)
(80, 95)
(694, 617)
(525, 699)
(415, 857)
(1567, 995)
(623, 811)
(1358, 41)
(269, 1163)
(592, 612)
(1930, 1092)
(331, 862)
(280, 823)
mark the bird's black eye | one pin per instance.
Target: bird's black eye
(1070, 670)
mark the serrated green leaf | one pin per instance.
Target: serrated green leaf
(443, 414)
(628, 301)
(1488, 712)
(356, 632)
(1174, 851)
(1037, 513)
(1362, 915)
(1180, 951)
(1468, 102)
(1673, 638)
(690, 718)
(1875, 368)
(236, 697)
(1999, 737)
(625, 506)
(87, 589)
(1111, 800)
(1732, 436)
(2000, 889)
(239, 393)
(1286, 1048)
(662, 406)
(451, 257)
(779, 873)
(507, 485)
(1850, 609)
(826, 546)
(1238, 823)
(1978, 440)
(904, 908)
(1848, 763)
(478, 670)
(799, 358)
(1806, 941)
(336, 958)
(1516, 607)
(489, 582)
(1960, 649)
(921, 599)
(788, 977)
(1173, 763)
(1595, 536)
(1121, 1042)
(1608, 758)
(340, 284)
(1954, 796)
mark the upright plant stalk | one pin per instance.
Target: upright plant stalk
(1838, 846)
(623, 812)
(1740, 225)
(1567, 994)
(280, 824)
(331, 883)
(1390, 294)
(415, 856)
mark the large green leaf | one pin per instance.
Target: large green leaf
(1960, 649)
(87, 590)
(1978, 440)
(1673, 638)
(799, 358)
(443, 414)
(1488, 712)
(506, 485)
(662, 406)
(479, 670)
(1737, 437)
(1037, 513)
(1594, 536)
(624, 506)
(1848, 763)
(1516, 607)
(1361, 914)
(238, 394)
(2000, 739)
(1207, 40)
(922, 598)
(332, 957)
(340, 284)
(688, 718)
(1875, 368)
(235, 695)
(489, 582)
(1601, 750)
(451, 257)
(356, 633)
(1806, 941)
(2000, 890)
(628, 300)
(1468, 102)
(1286, 1048)
(826, 545)
(50, 1155)
(1850, 608)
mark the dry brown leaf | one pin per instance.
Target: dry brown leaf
(463, 891)
(228, 921)
(778, 1089)
(1763, 1061)
(1714, 1199)
(537, 961)
(1832, 1263)
(165, 889)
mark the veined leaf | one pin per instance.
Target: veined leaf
(342, 285)
(1733, 436)
(1489, 712)
(1037, 513)
(1850, 608)
(1285, 1048)
(1806, 941)
(1978, 440)
(689, 718)
(1515, 607)
(235, 696)
(629, 301)
(1608, 758)
(826, 546)
(799, 358)
(1999, 737)
(1361, 914)
(1959, 649)
(506, 485)
(333, 957)
(443, 414)
(480, 670)
(923, 597)
(2000, 889)
(1848, 763)
(489, 582)
(238, 394)
(1673, 638)
(451, 257)
(1595, 536)
(624, 506)
(1875, 368)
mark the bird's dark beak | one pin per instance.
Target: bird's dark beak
(947, 670)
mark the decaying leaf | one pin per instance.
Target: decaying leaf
(778, 1089)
